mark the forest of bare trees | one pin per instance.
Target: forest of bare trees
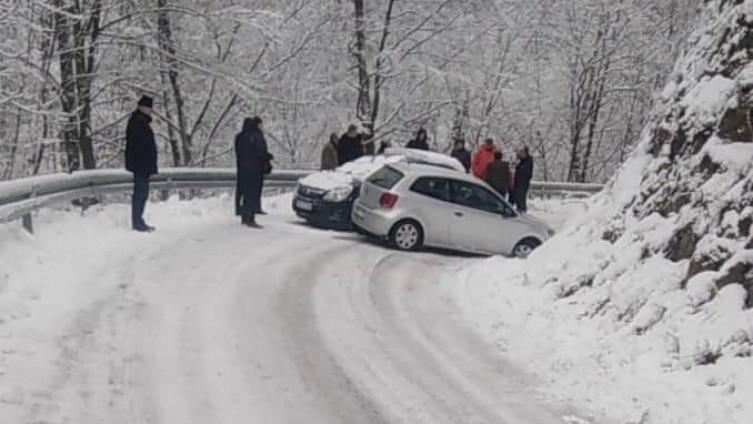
(573, 79)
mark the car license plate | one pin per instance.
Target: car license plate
(304, 206)
(358, 213)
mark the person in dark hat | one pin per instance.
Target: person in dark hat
(254, 161)
(141, 160)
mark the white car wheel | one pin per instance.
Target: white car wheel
(525, 247)
(407, 235)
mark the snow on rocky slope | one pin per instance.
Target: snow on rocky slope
(642, 306)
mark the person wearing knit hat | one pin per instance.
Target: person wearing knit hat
(141, 160)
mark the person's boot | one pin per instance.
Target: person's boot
(142, 228)
(250, 221)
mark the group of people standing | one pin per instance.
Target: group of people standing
(253, 162)
(487, 163)
(350, 146)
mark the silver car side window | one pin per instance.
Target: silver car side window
(436, 188)
(476, 197)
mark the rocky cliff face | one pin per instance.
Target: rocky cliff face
(701, 151)
(669, 246)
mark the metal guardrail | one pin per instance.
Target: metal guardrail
(19, 198)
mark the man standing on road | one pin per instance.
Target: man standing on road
(523, 176)
(350, 146)
(141, 160)
(498, 175)
(253, 160)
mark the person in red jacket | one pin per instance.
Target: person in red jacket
(483, 157)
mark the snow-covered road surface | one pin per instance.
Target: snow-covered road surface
(221, 324)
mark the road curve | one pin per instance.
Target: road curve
(284, 325)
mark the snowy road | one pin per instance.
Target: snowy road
(286, 325)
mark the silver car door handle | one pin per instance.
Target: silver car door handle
(459, 214)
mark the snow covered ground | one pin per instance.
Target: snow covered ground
(206, 321)
(597, 344)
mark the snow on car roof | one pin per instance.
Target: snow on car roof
(362, 167)
(429, 170)
(427, 158)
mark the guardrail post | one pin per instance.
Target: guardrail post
(27, 223)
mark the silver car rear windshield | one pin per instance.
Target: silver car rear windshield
(386, 177)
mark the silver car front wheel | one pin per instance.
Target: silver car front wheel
(525, 247)
(407, 235)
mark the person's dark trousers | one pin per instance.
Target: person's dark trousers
(251, 188)
(138, 200)
(238, 197)
(260, 211)
(521, 198)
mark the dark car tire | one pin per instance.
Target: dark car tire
(525, 247)
(407, 235)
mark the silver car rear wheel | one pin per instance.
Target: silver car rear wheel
(407, 235)
(525, 247)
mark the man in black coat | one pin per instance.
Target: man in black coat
(498, 175)
(523, 175)
(421, 142)
(253, 160)
(462, 154)
(350, 146)
(141, 160)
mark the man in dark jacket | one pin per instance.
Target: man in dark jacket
(460, 153)
(141, 160)
(253, 160)
(498, 175)
(523, 175)
(350, 146)
(421, 142)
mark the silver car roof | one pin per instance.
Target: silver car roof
(421, 170)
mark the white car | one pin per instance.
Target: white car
(414, 205)
(325, 198)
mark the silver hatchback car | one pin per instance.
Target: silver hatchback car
(416, 205)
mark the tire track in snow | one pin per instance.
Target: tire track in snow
(484, 388)
(342, 397)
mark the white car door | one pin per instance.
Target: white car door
(481, 220)
(431, 197)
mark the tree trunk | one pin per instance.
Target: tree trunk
(86, 63)
(167, 55)
(67, 61)
(363, 105)
(378, 79)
